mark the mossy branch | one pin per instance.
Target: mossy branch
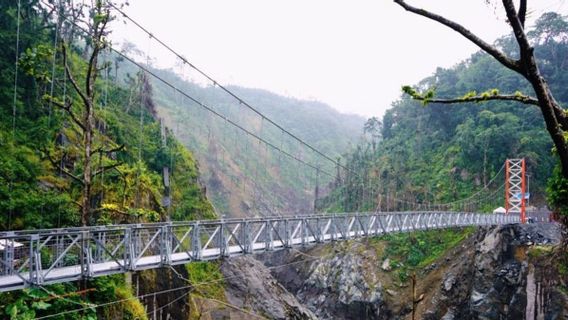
(472, 96)
(106, 168)
(108, 151)
(67, 106)
(57, 166)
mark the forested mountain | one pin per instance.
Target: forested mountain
(42, 148)
(245, 177)
(89, 146)
(434, 153)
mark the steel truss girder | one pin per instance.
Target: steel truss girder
(38, 257)
(515, 190)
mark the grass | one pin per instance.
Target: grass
(207, 279)
(539, 251)
(414, 251)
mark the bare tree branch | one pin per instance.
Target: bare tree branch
(57, 166)
(493, 51)
(527, 56)
(101, 150)
(106, 168)
(530, 68)
(104, 67)
(523, 12)
(70, 75)
(555, 118)
(518, 30)
(67, 107)
(91, 76)
(92, 69)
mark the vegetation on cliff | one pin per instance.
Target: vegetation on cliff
(438, 153)
(243, 176)
(421, 153)
(65, 131)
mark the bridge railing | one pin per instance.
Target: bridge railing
(35, 257)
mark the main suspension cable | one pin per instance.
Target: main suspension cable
(201, 104)
(224, 88)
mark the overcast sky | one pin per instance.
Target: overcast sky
(354, 55)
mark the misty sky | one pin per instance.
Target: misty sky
(353, 55)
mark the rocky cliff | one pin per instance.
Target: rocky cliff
(497, 273)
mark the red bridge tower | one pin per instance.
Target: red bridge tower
(515, 186)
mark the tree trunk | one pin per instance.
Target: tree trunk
(555, 117)
(553, 124)
(87, 168)
(485, 164)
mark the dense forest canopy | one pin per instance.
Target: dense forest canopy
(521, 61)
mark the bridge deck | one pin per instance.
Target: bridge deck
(36, 257)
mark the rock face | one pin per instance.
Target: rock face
(386, 265)
(165, 306)
(341, 283)
(344, 289)
(492, 277)
(250, 286)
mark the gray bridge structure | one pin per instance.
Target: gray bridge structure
(40, 257)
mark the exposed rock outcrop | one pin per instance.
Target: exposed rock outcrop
(165, 306)
(335, 281)
(249, 285)
(494, 274)
(493, 277)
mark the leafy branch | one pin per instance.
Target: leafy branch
(526, 66)
(472, 96)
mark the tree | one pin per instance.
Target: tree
(373, 128)
(523, 62)
(82, 114)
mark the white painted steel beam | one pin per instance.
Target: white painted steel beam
(38, 257)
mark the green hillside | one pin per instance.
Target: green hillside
(438, 153)
(43, 152)
(245, 177)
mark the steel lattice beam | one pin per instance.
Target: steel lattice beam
(515, 187)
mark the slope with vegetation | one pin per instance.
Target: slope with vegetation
(520, 57)
(243, 176)
(437, 153)
(423, 153)
(78, 147)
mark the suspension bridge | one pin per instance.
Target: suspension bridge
(40, 257)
